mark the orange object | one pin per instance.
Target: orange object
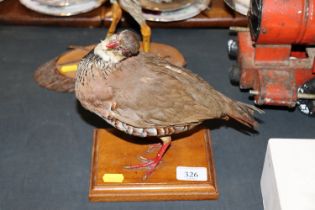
(277, 56)
(283, 21)
(272, 72)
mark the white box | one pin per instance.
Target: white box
(288, 177)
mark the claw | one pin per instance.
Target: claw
(152, 147)
(151, 164)
(143, 159)
(141, 165)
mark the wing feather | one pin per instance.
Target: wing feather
(149, 91)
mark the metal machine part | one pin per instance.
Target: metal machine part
(307, 106)
(282, 21)
(232, 48)
(275, 59)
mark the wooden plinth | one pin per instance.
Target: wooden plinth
(112, 150)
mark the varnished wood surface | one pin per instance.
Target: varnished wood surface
(217, 15)
(112, 150)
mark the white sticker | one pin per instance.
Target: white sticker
(191, 173)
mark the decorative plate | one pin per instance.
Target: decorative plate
(240, 6)
(181, 14)
(165, 6)
(75, 9)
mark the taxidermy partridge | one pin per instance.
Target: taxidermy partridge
(144, 95)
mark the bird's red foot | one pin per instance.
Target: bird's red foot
(151, 148)
(151, 164)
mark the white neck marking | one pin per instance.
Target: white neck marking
(107, 55)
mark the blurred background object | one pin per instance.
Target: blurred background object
(169, 5)
(240, 6)
(215, 14)
(174, 11)
(62, 7)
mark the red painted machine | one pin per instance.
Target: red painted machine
(275, 59)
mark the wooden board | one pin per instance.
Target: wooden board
(112, 150)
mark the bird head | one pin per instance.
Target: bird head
(118, 46)
(125, 43)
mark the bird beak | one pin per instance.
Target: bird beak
(112, 44)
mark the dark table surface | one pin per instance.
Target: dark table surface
(46, 137)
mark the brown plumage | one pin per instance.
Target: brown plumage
(144, 95)
(47, 76)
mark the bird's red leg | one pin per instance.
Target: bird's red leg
(152, 163)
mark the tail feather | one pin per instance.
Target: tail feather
(243, 113)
